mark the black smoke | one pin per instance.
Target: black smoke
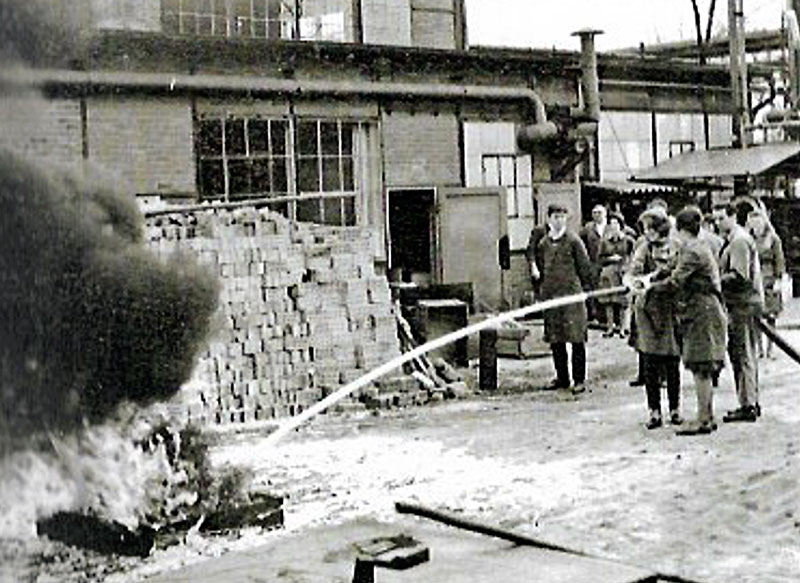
(88, 316)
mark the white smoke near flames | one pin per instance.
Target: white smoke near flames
(102, 469)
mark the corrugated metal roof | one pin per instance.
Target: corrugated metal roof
(723, 163)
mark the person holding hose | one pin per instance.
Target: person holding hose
(656, 339)
(700, 313)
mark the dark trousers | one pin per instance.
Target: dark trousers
(561, 362)
(657, 367)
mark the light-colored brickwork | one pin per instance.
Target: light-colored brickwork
(141, 15)
(386, 22)
(421, 149)
(301, 312)
(45, 131)
(433, 24)
(147, 141)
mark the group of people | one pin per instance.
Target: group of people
(686, 289)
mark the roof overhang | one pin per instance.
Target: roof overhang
(629, 188)
(692, 167)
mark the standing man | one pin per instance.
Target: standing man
(591, 234)
(565, 269)
(743, 291)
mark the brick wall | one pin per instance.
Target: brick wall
(386, 22)
(42, 130)
(147, 141)
(301, 312)
(421, 149)
(433, 24)
(142, 15)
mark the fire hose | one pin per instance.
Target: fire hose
(317, 408)
(511, 315)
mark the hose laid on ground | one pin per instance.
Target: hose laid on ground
(317, 408)
(773, 335)
(519, 539)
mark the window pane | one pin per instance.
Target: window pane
(507, 174)
(260, 182)
(491, 171)
(234, 136)
(220, 26)
(170, 5)
(333, 211)
(238, 177)
(280, 181)
(280, 207)
(260, 29)
(188, 24)
(511, 202)
(218, 7)
(212, 178)
(348, 130)
(171, 24)
(330, 175)
(209, 138)
(204, 25)
(201, 6)
(308, 210)
(307, 137)
(347, 174)
(258, 135)
(278, 132)
(349, 211)
(307, 175)
(260, 8)
(329, 132)
(240, 8)
(525, 201)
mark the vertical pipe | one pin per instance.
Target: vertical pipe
(590, 83)
(738, 71)
(488, 359)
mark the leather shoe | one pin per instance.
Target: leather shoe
(697, 429)
(746, 414)
(636, 383)
(556, 385)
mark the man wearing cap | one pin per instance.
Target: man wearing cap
(565, 269)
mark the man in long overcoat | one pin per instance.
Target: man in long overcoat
(565, 270)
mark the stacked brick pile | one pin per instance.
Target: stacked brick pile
(301, 313)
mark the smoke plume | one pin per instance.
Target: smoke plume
(88, 317)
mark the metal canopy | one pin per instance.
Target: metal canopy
(629, 187)
(722, 163)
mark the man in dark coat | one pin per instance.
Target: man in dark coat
(565, 269)
(592, 234)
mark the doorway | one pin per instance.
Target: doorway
(411, 243)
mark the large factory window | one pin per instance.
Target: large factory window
(314, 169)
(329, 20)
(235, 18)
